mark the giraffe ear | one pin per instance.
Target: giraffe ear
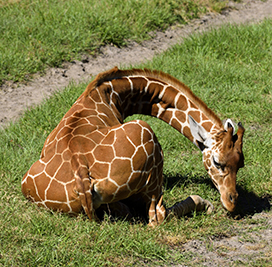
(229, 124)
(200, 134)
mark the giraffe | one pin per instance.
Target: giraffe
(93, 161)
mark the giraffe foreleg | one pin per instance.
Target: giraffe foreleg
(157, 212)
(84, 190)
(192, 203)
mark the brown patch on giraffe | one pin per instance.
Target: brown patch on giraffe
(124, 190)
(132, 131)
(207, 125)
(135, 182)
(138, 158)
(95, 96)
(196, 115)
(109, 139)
(74, 162)
(187, 132)
(62, 144)
(103, 153)
(37, 168)
(176, 124)
(121, 168)
(180, 116)
(99, 170)
(83, 122)
(182, 103)
(79, 144)
(149, 161)
(154, 90)
(29, 190)
(146, 135)
(65, 173)
(83, 173)
(139, 83)
(169, 95)
(49, 151)
(122, 85)
(56, 192)
(204, 117)
(165, 115)
(155, 110)
(122, 146)
(71, 187)
(89, 106)
(53, 165)
(42, 181)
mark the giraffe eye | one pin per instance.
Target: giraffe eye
(216, 164)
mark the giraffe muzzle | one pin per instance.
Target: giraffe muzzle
(229, 200)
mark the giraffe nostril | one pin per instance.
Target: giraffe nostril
(232, 198)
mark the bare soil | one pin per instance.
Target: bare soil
(245, 244)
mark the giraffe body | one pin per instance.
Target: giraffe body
(92, 159)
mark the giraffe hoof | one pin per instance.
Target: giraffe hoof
(209, 207)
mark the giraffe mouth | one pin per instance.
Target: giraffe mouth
(229, 201)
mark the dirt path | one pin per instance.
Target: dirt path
(14, 98)
(247, 245)
(238, 250)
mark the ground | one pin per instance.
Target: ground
(15, 98)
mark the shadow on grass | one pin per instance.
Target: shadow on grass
(179, 180)
(249, 203)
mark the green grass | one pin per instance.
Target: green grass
(39, 34)
(230, 70)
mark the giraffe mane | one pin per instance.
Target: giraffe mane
(116, 73)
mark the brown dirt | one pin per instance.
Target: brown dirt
(245, 246)
(237, 249)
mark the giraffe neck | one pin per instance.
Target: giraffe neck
(156, 94)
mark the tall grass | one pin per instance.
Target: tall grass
(230, 70)
(38, 34)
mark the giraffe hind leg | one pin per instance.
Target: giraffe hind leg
(192, 203)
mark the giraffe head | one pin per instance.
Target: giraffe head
(222, 158)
